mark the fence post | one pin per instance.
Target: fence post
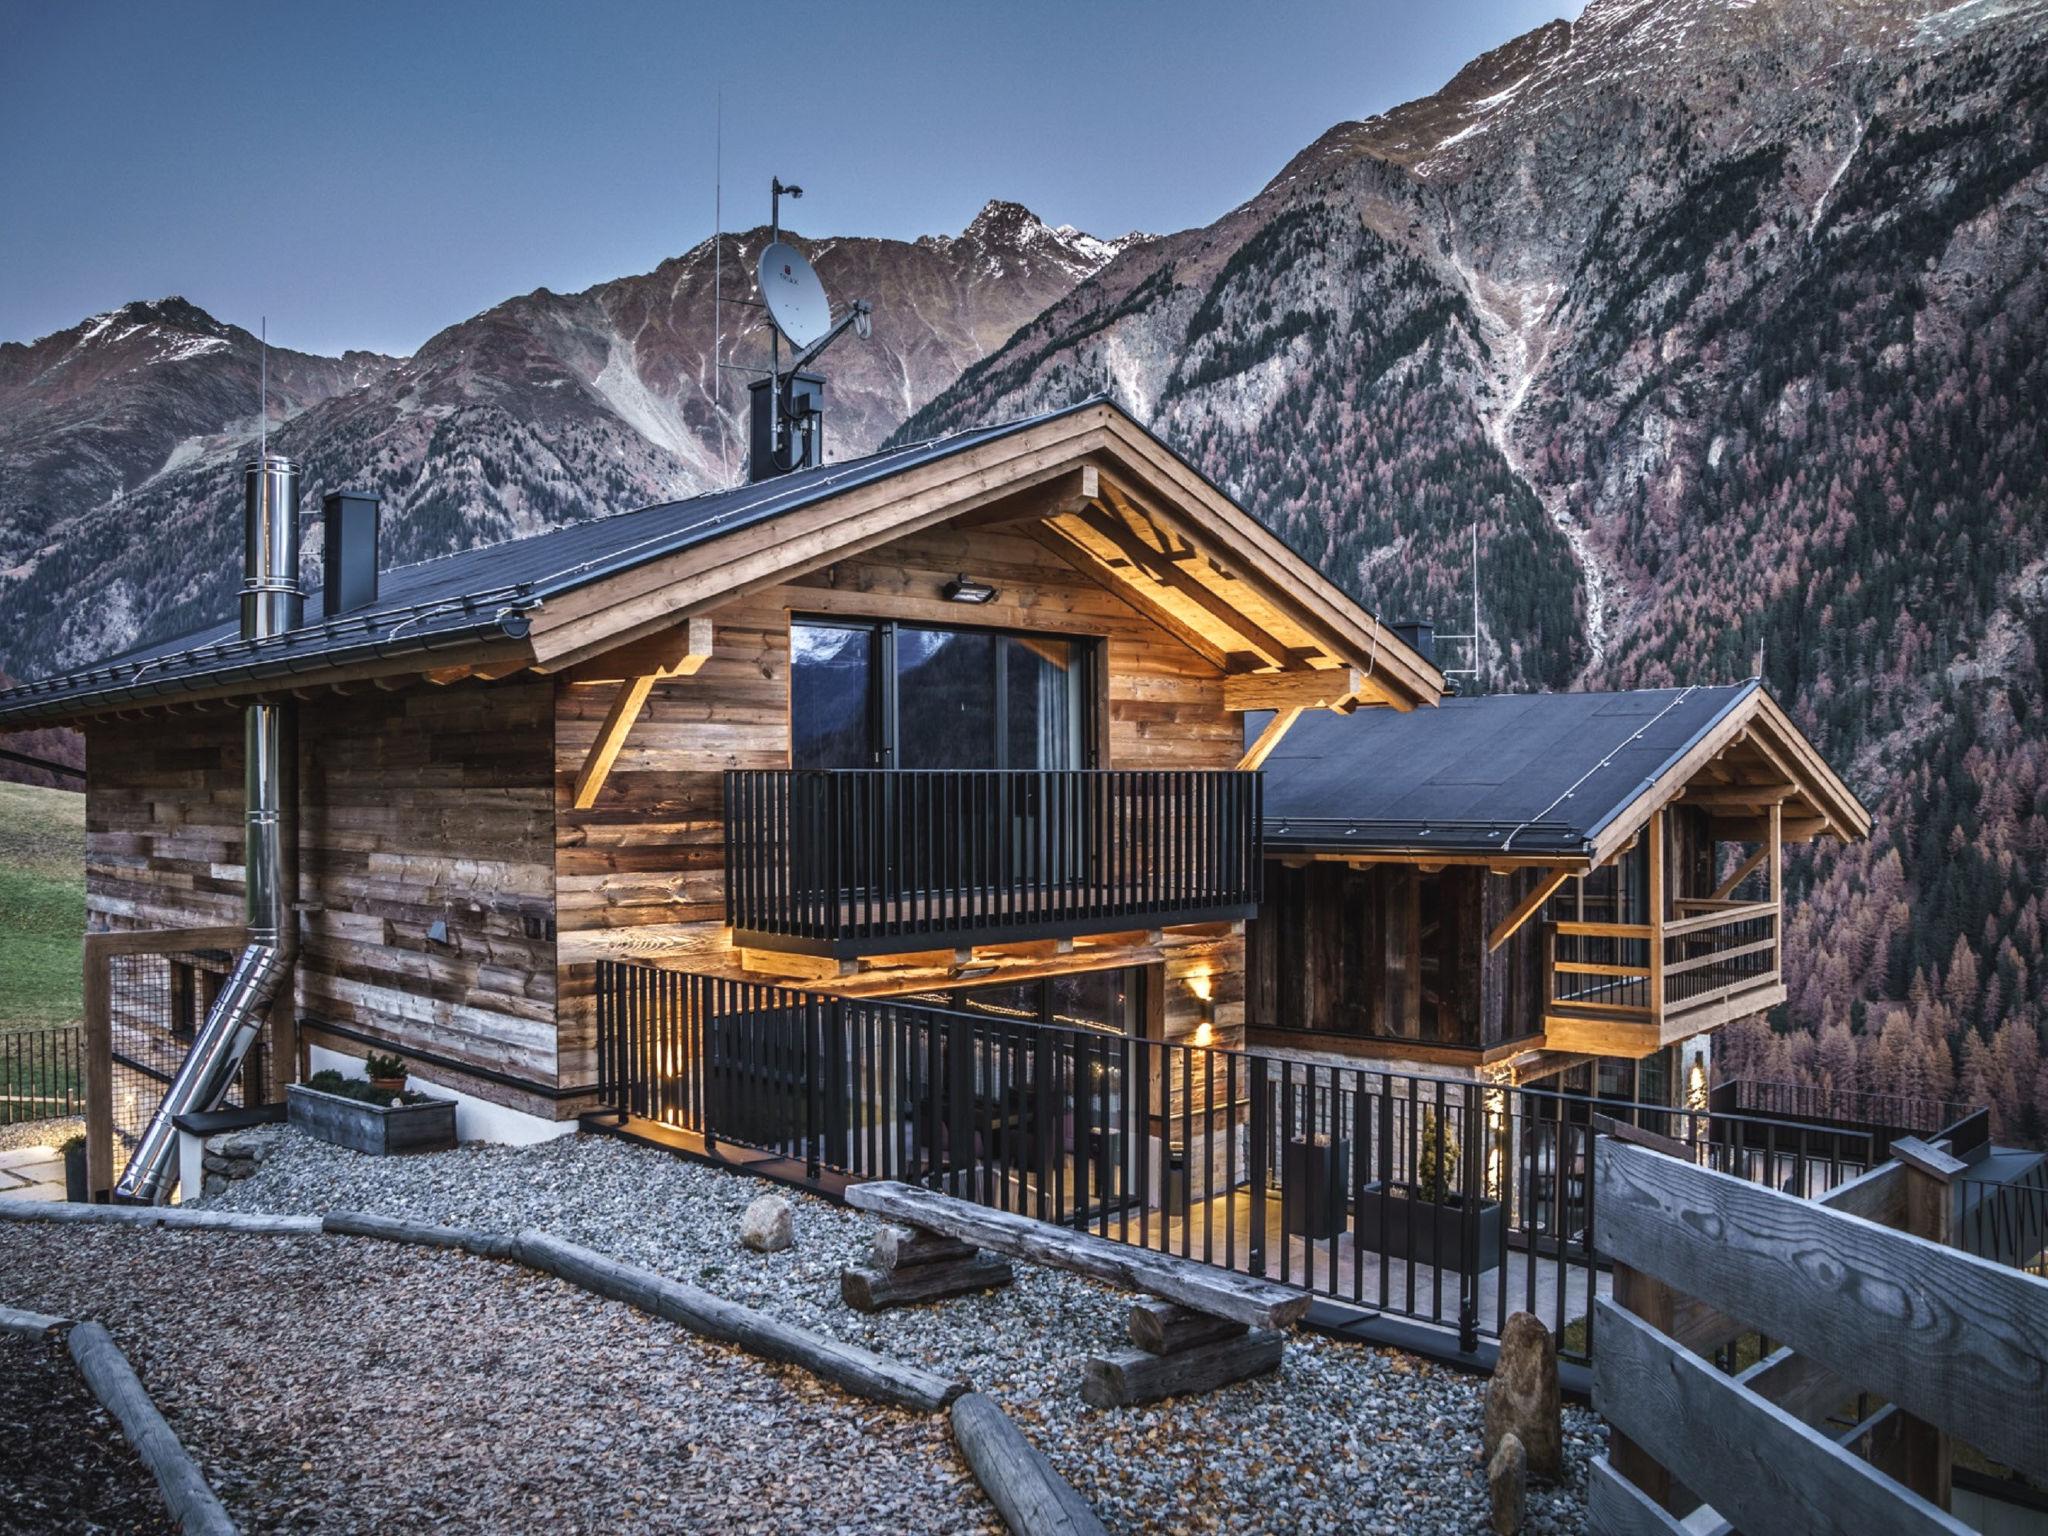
(1474, 1181)
(1926, 1457)
(99, 1067)
(1656, 1304)
(1261, 1116)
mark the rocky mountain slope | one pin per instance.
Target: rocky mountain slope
(1724, 322)
(120, 439)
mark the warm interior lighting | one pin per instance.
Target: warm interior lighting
(1203, 990)
(963, 589)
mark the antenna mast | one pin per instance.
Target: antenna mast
(718, 288)
(1475, 657)
(263, 389)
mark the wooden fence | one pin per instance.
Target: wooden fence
(1916, 1341)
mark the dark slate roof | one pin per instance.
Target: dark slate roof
(1526, 773)
(476, 595)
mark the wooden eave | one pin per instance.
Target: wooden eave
(1753, 756)
(1097, 483)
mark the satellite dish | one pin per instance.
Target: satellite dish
(793, 294)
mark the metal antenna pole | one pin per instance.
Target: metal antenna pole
(718, 288)
(1478, 648)
(774, 332)
(263, 389)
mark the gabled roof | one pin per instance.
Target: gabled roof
(1564, 776)
(557, 598)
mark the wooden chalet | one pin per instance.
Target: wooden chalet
(1566, 889)
(960, 721)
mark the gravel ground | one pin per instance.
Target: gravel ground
(344, 1386)
(96, 1484)
(1345, 1438)
(38, 1133)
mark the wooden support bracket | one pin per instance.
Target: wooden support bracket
(611, 739)
(1527, 908)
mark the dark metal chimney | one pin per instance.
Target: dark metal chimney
(790, 438)
(1419, 635)
(349, 520)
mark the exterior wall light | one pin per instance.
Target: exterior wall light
(963, 589)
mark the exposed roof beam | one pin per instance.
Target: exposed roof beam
(1085, 560)
(1168, 574)
(1331, 688)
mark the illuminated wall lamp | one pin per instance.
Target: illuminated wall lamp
(963, 589)
(1204, 995)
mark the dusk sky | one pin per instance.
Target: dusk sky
(367, 173)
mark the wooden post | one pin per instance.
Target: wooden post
(98, 1065)
(1656, 1304)
(1926, 1457)
(1659, 906)
(1775, 857)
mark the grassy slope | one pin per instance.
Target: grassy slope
(42, 905)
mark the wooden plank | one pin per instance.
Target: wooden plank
(1933, 1161)
(1165, 1328)
(1203, 1287)
(1526, 908)
(873, 1290)
(1617, 1507)
(1132, 1376)
(1032, 1498)
(1742, 872)
(1871, 1303)
(1330, 688)
(611, 739)
(1739, 796)
(1749, 1459)
(1797, 1383)
(1168, 574)
(678, 652)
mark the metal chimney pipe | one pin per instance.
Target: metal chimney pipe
(271, 604)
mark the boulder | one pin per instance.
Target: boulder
(1522, 1399)
(1507, 1485)
(769, 1225)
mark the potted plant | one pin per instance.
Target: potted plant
(386, 1072)
(1425, 1221)
(370, 1117)
(73, 1148)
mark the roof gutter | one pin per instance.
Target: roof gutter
(1325, 835)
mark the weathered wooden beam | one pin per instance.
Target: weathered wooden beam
(31, 1325)
(1867, 1302)
(1166, 1328)
(1617, 1507)
(678, 652)
(1032, 1498)
(187, 1494)
(907, 1247)
(1740, 796)
(1169, 574)
(1132, 1376)
(611, 739)
(859, 1371)
(873, 1290)
(1331, 688)
(1242, 1298)
(1759, 1462)
(1526, 908)
(1268, 739)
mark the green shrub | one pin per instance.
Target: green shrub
(1436, 1166)
(383, 1066)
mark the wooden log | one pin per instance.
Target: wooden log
(1165, 1328)
(175, 1217)
(1032, 1498)
(1241, 1298)
(395, 1229)
(1871, 1304)
(902, 1247)
(30, 1325)
(871, 1290)
(185, 1489)
(859, 1371)
(1133, 1376)
(1758, 1463)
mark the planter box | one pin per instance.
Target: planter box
(372, 1128)
(1386, 1214)
(75, 1189)
(1313, 1179)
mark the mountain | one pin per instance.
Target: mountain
(1724, 322)
(120, 439)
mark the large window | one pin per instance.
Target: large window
(890, 695)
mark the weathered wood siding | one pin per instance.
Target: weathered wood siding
(414, 807)
(648, 855)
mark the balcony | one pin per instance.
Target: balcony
(878, 861)
(1631, 988)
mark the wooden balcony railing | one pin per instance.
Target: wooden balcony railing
(867, 861)
(1652, 972)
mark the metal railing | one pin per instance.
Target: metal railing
(1447, 1201)
(1893, 1114)
(857, 861)
(41, 1074)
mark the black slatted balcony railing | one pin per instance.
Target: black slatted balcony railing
(869, 861)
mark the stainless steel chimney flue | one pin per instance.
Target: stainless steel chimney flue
(272, 603)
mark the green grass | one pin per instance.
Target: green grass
(42, 906)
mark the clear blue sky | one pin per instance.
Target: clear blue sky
(367, 172)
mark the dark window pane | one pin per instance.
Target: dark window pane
(1043, 728)
(1095, 1000)
(945, 699)
(831, 689)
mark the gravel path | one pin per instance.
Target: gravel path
(1345, 1438)
(344, 1386)
(97, 1484)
